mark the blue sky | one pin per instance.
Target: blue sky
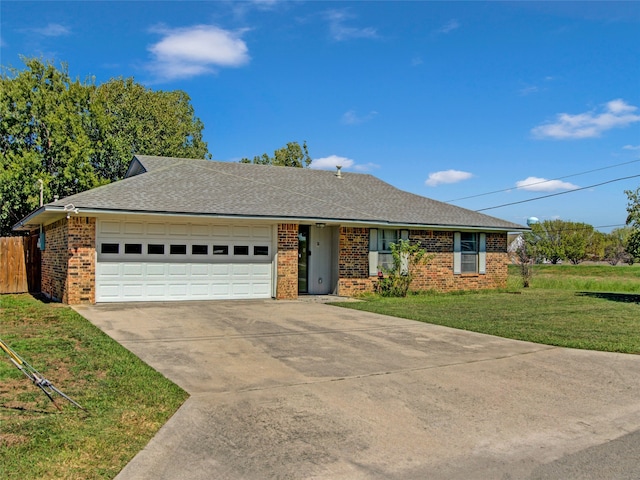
(443, 99)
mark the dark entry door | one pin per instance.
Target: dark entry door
(303, 259)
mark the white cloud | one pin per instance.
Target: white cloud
(537, 184)
(447, 176)
(631, 147)
(448, 27)
(615, 114)
(339, 31)
(331, 162)
(197, 50)
(52, 30)
(351, 117)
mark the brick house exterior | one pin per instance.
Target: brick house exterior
(69, 262)
(270, 209)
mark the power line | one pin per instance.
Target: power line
(543, 181)
(559, 193)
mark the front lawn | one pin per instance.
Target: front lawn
(591, 308)
(127, 401)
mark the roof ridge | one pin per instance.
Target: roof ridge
(277, 187)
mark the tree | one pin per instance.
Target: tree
(615, 250)
(74, 135)
(633, 220)
(525, 256)
(130, 119)
(556, 240)
(292, 155)
(547, 237)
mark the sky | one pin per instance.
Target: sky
(485, 105)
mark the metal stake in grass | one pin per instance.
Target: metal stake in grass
(36, 377)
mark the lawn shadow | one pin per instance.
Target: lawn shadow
(614, 297)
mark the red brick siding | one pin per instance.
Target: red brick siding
(436, 275)
(81, 279)
(68, 261)
(353, 262)
(287, 281)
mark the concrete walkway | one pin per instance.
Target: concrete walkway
(304, 390)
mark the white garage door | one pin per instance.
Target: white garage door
(154, 261)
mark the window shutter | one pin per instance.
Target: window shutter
(482, 254)
(373, 239)
(457, 254)
(373, 264)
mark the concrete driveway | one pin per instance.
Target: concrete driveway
(300, 390)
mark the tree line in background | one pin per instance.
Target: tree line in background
(75, 135)
(555, 241)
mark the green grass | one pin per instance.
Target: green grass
(127, 401)
(606, 278)
(581, 311)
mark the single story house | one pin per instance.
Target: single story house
(184, 229)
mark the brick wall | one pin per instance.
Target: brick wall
(353, 262)
(287, 281)
(68, 261)
(436, 275)
(81, 274)
(54, 260)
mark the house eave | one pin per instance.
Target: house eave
(50, 213)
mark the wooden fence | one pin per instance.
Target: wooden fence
(19, 265)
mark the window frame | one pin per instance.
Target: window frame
(465, 249)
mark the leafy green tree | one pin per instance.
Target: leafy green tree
(556, 240)
(580, 242)
(74, 135)
(615, 250)
(547, 237)
(292, 155)
(129, 118)
(43, 115)
(633, 221)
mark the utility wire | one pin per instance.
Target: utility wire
(542, 181)
(559, 193)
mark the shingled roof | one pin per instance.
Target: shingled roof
(209, 188)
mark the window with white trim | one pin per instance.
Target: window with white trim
(469, 253)
(380, 240)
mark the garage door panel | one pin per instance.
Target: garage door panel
(222, 270)
(262, 289)
(110, 291)
(199, 270)
(262, 270)
(177, 290)
(132, 270)
(155, 270)
(241, 289)
(262, 232)
(133, 291)
(199, 290)
(156, 291)
(106, 270)
(166, 276)
(240, 270)
(178, 270)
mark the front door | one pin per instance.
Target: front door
(303, 259)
